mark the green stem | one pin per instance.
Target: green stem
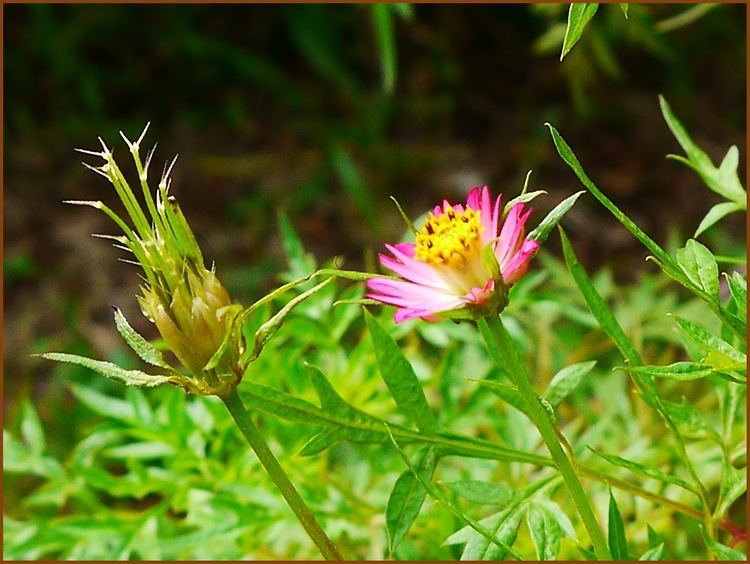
(276, 472)
(503, 352)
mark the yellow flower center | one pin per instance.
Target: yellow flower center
(451, 239)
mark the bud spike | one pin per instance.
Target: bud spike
(96, 169)
(87, 152)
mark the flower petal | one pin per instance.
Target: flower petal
(519, 263)
(512, 233)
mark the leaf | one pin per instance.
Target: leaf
(733, 485)
(522, 199)
(699, 265)
(128, 377)
(364, 428)
(566, 380)
(542, 231)
(406, 499)
(383, 22)
(665, 261)
(483, 493)
(682, 371)
(721, 551)
(400, 377)
(578, 16)
(145, 350)
(644, 470)
(506, 392)
(350, 178)
(702, 337)
(722, 180)
(624, 8)
(145, 450)
(321, 441)
(690, 422)
(654, 539)
(301, 264)
(656, 553)
(503, 527)
(31, 429)
(618, 546)
(716, 213)
(738, 291)
(545, 531)
(268, 329)
(106, 406)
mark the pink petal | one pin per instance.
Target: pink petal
(511, 235)
(518, 265)
(414, 271)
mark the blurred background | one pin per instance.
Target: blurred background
(324, 111)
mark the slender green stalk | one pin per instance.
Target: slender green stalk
(276, 472)
(503, 352)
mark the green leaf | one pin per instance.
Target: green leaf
(407, 497)
(545, 531)
(716, 213)
(618, 546)
(644, 470)
(141, 346)
(301, 264)
(733, 485)
(542, 231)
(503, 527)
(268, 329)
(400, 377)
(506, 392)
(699, 265)
(654, 538)
(665, 261)
(348, 174)
(624, 8)
(106, 406)
(440, 498)
(689, 420)
(567, 380)
(678, 371)
(31, 429)
(484, 493)
(721, 551)
(522, 199)
(578, 16)
(722, 180)
(128, 377)
(321, 441)
(702, 337)
(145, 450)
(656, 553)
(383, 22)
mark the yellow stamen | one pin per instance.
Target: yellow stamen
(450, 239)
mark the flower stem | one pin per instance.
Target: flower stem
(504, 353)
(276, 472)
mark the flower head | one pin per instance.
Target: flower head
(463, 260)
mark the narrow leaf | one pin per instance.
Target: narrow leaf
(618, 546)
(407, 497)
(699, 265)
(545, 532)
(716, 213)
(644, 470)
(484, 493)
(567, 380)
(128, 377)
(141, 346)
(721, 551)
(542, 231)
(578, 16)
(400, 377)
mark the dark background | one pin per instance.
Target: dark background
(283, 107)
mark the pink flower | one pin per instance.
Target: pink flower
(443, 270)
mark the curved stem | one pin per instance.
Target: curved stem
(503, 352)
(276, 472)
